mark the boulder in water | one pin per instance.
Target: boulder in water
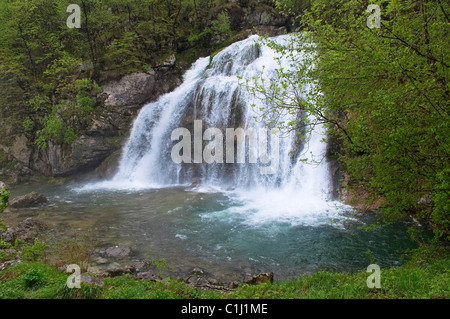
(119, 271)
(26, 230)
(259, 279)
(196, 181)
(32, 199)
(118, 251)
(147, 276)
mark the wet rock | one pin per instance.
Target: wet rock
(8, 264)
(89, 280)
(234, 284)
(148, 276)
(20, 150)
(196, 181)
(122, 98)
(136, 89)
(141, 264)
(193, 280)
(120, 271)
(96, 271)
(26, 230)
(118, 251)
(197, 271)
(215, 282)
(32, 199)
(28, 214)
(101, 261)
(261, 278)
(167, 63)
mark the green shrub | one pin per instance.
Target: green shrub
(33, 278)
(34, 252)
(69, 136)
(28, 126)
(53, 130)
(4, 197)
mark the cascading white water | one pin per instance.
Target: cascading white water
(211, 92)
(237, 219)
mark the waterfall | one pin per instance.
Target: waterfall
(211, 96)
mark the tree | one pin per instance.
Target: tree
(383, 92)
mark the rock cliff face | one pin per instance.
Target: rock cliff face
(123, 98)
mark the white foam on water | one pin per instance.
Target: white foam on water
(297, 192)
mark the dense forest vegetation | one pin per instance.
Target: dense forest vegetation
(384, 94)
(50, 74)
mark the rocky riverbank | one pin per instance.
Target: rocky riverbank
(29, 234)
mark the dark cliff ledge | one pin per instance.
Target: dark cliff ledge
(123, 97)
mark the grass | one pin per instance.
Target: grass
(425, 276)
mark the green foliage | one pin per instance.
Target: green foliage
(382, 93)
(69, 136)
(53, 130)
(5, 245)
(40, 103)
(425, 276)
(221, 26)
(218, 30)
(61, 76)
(160, 264)
(84, 292)
(33, 278)
(4, 197)
(33, 252)
(293, 7)
(28, 126)
(77, 249)
(27, 252)
(49, 73)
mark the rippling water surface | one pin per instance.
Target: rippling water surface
(229, 234)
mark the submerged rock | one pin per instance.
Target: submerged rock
(148, 276)
(234, 284)
(197, 271)
(89, 280)
(259, 279)
(101, 261)
(118, 251)
(196, 181)
(32, 199)
(120, 271)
